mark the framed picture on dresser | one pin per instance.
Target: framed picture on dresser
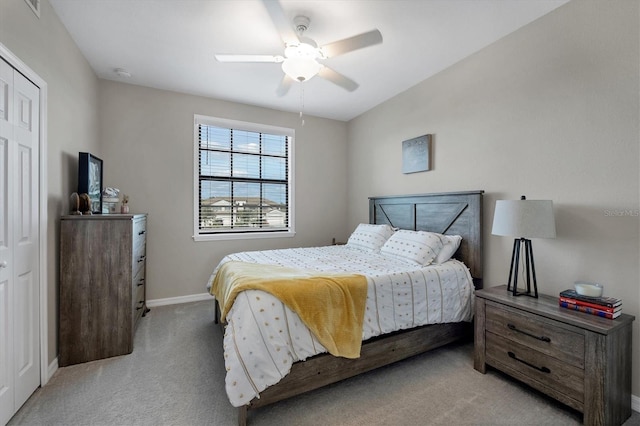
(90, 179)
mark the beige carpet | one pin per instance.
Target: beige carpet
(175, 376)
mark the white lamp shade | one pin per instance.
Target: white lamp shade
(524, 219)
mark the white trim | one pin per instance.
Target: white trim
(16, 63)
(53, 367)
(635, 403)
(180, 299)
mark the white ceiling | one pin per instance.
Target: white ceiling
(170, 44)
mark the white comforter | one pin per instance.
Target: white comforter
(263, 337)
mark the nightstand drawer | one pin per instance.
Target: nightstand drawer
(538, 368)
(537, 333)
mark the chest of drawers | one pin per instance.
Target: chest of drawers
(102, 285)
(579, 359)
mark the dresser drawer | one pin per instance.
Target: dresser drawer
(138, 304)
(537, 333)
(138, 279)
(139, 257)
(535, 368)
(139, 230)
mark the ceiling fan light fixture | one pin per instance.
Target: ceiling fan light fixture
(301, 69)
(305, 49)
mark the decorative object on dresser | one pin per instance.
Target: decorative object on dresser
(84, 203)
(588, 289)
(124, 208)
(523, 219)
(90, 179)
(110, 200)
(74, 204)
(102, 285)
(581, 360)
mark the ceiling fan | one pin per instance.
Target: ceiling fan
(303, 59)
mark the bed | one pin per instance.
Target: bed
(449, 214)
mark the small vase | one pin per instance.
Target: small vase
(124, 208)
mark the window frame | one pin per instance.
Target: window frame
(251, 127)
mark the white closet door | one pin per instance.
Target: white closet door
(19, 251)
(26, 328)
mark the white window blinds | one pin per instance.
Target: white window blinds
(243, 178)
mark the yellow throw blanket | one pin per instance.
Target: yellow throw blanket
(331, 306)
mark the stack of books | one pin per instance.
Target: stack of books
(606, 307)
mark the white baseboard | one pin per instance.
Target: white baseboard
(180, 299)
(635, 403)
(53, 367)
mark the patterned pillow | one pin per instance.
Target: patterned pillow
(450, 244)
(370, 237)
(419, 247)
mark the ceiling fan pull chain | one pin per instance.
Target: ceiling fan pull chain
(301, 103)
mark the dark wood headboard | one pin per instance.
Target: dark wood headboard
(453, 213)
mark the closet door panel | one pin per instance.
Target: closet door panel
(25, 240)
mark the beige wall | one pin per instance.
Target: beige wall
(45, 46)
(147, 141)
(550, 112)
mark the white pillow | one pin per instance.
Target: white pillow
(418, 247)
(450, 244)
(370, 237)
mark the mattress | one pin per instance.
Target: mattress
(263, 337)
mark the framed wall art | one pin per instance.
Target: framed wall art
(416, 154)
(90, 179)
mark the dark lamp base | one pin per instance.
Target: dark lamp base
(529, 272)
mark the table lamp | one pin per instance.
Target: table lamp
(523, 219)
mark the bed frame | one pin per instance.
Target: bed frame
(454, 213)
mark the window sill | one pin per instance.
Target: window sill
(243, 236)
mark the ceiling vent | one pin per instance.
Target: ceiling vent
(35, 6)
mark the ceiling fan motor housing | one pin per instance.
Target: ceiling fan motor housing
(301, 23)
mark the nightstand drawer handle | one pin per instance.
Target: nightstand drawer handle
(542, 369)
(543, 338)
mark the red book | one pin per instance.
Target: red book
(592, 311)
(591, 305)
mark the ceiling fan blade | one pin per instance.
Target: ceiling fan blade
(282, 24)
(337, 78)
(249, 58)
(352, 43)
(284, 86)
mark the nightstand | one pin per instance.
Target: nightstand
(581, 360)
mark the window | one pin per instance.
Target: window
(243, 183)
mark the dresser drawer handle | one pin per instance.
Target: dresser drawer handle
(141, 282)
(140, 305)
(542, 369)
(141, 259)
(543, 338)
(141, 232)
